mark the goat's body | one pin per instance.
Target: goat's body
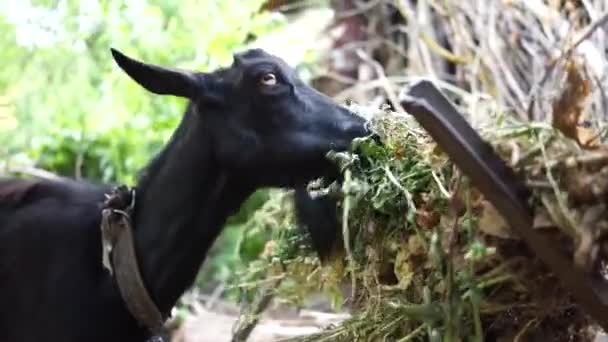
(52, 284)
(248, 126)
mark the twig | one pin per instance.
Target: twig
(215, 295)
(408, 196)
(561, 201)
(442, 52)
(78, 165)
(243, 328)
(346, 234)
(386, 84)
(299, 5)
(552, 64)
(590, 29)
(440, 186)
(452, 239)
(413, 334)
(359, 10)
(523, 331)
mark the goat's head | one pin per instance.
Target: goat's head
(263, 121)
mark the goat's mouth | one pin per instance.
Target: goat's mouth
(300, 166)
(301, 173)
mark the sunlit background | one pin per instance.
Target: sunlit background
(77, 114)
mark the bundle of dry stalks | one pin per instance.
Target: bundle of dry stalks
(514, 51)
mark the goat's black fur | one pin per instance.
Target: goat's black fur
(251, 125)
(318, 215)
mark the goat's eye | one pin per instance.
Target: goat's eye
(268, 79)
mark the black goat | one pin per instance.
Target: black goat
(251, 125)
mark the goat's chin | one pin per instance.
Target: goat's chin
(286, 180)
(294, 175)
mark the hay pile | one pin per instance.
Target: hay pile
(425, 256)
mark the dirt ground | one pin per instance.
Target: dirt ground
(215, 324)
(210, 326)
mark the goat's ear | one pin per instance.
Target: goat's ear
(158, 79)
(319, 217)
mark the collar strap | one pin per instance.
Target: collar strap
(120, 260)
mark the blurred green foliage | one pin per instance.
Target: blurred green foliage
(67, 108)
(77, 113)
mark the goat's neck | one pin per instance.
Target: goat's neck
(182, 205)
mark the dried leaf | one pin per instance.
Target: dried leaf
(403, 268)
(427, 218)
(492, 223)
(587, 136)
(568, 109)
(416, 245)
